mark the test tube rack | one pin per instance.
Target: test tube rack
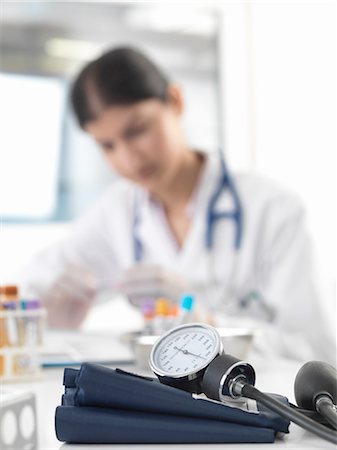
(21, 338)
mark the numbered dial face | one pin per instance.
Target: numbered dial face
(185, 350)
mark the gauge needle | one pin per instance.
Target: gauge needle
(186, 352)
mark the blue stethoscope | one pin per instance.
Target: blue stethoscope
(225, 183)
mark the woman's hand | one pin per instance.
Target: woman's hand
(70, 297)
(144, 281)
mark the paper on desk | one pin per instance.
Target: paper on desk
(63, 348)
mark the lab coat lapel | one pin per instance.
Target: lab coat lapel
(193, 251)
(192, 254)
(154, 233)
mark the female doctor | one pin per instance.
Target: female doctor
(180, 209)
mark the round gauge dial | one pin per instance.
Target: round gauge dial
(185, 350)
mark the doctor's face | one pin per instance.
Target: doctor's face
(142, 142)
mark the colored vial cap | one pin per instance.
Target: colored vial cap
(9, 305)
(174, 310)
(33, 303)
(146, 303)
(9, 290)
(162, 307)
(147, 310)
(186, 302)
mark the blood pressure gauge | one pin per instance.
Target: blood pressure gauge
(180, 357)
(191, 357)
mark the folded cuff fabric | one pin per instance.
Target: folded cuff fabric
(104, 405)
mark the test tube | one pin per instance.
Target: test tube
(2, 341)
(32, 326)
(11, 325)
(2, 328)
(160, 321)
(185, 309)
(147, 309)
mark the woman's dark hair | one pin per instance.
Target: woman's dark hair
(119, 77)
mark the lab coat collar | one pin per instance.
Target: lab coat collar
(210, 172)
(206, 184)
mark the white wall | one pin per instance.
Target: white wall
(18, 244)
(279, 73)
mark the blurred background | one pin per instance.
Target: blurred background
(259, 80)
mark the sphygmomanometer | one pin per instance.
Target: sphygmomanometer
(191, 357)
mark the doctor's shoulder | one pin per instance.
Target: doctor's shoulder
(261, 194)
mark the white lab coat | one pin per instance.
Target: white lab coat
(274, 258)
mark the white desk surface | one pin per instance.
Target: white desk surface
(272, 376)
